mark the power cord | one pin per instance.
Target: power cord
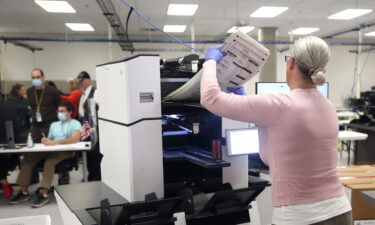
(158, 28)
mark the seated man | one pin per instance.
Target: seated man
(64, 131)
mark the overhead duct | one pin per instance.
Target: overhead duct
(114, 20)
(28, 46)
(353, 29)
(91, 40)
(337, 33)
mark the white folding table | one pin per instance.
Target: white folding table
(347, 136)
(77, 147)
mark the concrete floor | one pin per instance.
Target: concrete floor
(10, 211)
(25, 209)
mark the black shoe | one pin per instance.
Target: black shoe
(41, 201)
(20, 197)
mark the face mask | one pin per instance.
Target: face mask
(61, 116)
(37, 83)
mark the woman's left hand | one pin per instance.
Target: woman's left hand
(238, 91)
(215, 54)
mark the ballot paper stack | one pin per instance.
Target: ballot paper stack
(245, 57)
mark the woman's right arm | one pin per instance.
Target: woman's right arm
(74, 95)
(257, 109)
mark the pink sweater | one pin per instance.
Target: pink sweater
(298, 134)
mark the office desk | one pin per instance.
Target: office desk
(347, 137)
(368, 196)
(344, 122)
(346, 114)
(365, 148)
(80, 146)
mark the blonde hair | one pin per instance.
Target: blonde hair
(72, 82)
(311, 54)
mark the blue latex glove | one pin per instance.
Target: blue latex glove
(238, 91)
(215, 54)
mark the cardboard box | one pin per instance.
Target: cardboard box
(362, 210)
(356, 179)
(356, 171)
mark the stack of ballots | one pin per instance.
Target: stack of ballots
(245, 57)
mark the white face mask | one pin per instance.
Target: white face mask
(37, 82)
(61, 116)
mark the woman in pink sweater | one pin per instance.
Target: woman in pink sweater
(298, 133)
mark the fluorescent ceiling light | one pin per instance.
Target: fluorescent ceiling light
(370, 34)
(182, 9)
(55, 6)
(243, 29)
(349, 14)
(305, 30)
(268, 12)
(174, 28)
(80, 26)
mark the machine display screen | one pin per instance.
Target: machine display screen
(242, 141)
(282, 87)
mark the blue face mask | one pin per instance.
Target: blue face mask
(61, 116)
(37, 83)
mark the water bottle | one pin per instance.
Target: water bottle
(30, 142)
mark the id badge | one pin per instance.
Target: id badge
(38, 116)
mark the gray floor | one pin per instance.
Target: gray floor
(25, 209)
(9, 211)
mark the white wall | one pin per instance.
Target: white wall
(340, 72)
(62, 60)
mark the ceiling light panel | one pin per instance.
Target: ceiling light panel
(182, 9)
(305, 30)
(174, 28)
(243, 29)
(268, 11)
(80, 26)
(370, 34)
(56, 6)
(349, 14)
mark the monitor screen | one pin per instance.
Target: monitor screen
(242, 141)
(282, 87)
(9, 111)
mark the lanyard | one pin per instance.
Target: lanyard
(38, 101)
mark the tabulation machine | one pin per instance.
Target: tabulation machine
(165, 153)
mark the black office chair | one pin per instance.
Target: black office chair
(62, 168)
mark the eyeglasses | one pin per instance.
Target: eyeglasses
(36, 77)
(287, 57)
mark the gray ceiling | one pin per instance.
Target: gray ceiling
(213, 17)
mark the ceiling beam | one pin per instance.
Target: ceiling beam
(28, 46)
(114, 20)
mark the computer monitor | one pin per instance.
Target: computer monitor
(282, 87)
(8, 116)
(13, 119)
(242, 141)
